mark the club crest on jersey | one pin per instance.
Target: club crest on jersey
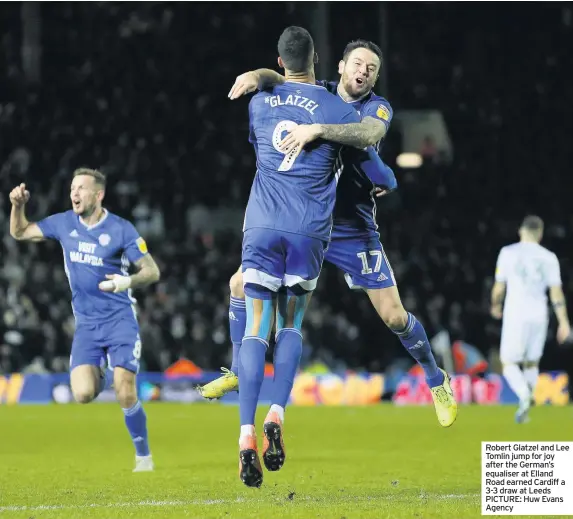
(141, 245)
(104, 240)
(383, 113)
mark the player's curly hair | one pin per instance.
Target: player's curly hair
(362, 44)
(98, 176)
(296, 49)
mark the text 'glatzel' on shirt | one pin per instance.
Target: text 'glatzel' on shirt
(302, 102)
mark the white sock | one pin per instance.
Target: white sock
(247, 430)
(516, 381)
(280, 411)
(531, 375)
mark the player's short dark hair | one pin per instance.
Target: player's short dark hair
(98, 176)
(532, 223)
(362, 44)
(296, 49)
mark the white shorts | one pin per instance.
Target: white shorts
(522, 340)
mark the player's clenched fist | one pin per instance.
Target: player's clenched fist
(19, 195)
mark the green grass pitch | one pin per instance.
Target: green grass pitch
(372, 462)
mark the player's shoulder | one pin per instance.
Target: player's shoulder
(548, 254)
(509, 251)
(64, 217)
(260, 96)
(330, 86)
(116, 224)
(113, 218)
(380, 104)
(510, 247)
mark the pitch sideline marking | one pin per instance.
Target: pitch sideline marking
(197, 502)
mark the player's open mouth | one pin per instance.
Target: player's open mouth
(76, 203)
(360, 81)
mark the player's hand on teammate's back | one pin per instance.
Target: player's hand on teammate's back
(299, 137)
(116, 283)
(244, 84)
(19, 196)
(563, 333)
(496, 311)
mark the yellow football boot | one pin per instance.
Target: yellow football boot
(444, 402)
(219, 387)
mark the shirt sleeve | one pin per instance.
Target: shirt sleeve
(380, 110)
(134, 245)
(553, 272)
(501, 267)
(51, 226)
(378, 172)
(252, 138)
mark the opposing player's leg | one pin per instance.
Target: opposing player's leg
(512, 354)
(366, 267)
(535, 344)
(87, 364)
(124, 352)
(229, 381)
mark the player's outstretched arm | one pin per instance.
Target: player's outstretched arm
(20, 227)
(255, 80)
(497, 295)
(560, 308)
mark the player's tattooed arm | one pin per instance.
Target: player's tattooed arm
(497, 296)
(255, 80)
(357, 135)
(560, 308)
(147, 272)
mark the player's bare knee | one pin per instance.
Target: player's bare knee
(236, 285)
(84, 381)
(83, 396)
(394, 316)
(389, 306)
(530, 364)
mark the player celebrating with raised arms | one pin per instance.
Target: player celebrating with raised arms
(98, 248)
(355, 246)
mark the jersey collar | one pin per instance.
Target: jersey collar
(90, 227)
(354, 100)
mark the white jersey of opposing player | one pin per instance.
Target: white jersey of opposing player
(528, 269)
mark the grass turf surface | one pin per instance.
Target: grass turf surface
(372, 462)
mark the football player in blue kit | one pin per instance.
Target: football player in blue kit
(287, 228)
(355, 245)
(98, 249)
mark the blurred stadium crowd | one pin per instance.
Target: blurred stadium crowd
(139, 91)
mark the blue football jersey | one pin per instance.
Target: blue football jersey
(294, 195)
(91, 252)
(355, 211)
